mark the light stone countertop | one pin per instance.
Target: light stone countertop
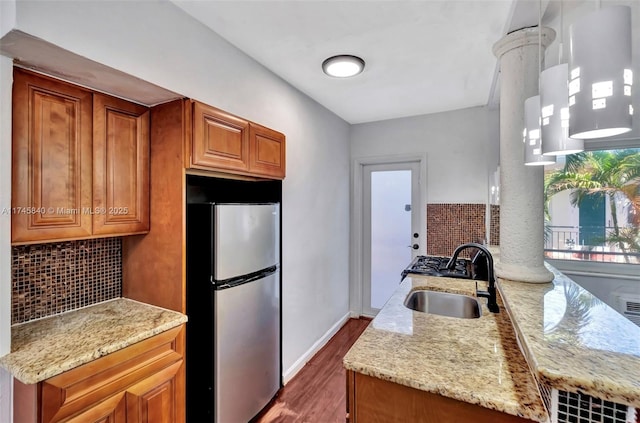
(46, 347)
(573, 341)
(472, 360)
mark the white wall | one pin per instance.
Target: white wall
(7, 16)
(157, 42)
(6, 78)
(561, 211)
(7, 22)
(462, 149)
(606, 287)
(604, 280)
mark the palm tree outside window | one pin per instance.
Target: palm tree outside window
(592, 207)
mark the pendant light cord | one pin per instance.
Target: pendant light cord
(539, 42)
(560, 44)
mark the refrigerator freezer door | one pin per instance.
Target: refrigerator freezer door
(247, 348)
(246, 239)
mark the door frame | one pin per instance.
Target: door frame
(357, 217)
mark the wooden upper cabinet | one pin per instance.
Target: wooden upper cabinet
(220, 141)
(80, 162)
(51, 159)
(120, 166)
(266, 151)
(226, 143)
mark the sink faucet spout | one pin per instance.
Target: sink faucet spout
(490, 293)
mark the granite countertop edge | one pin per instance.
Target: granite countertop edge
(33, 369)
(469, 397)
(521, 406)
(597, 385)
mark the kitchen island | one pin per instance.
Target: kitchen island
(474, 361)
(552, 347)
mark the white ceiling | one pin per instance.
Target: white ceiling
(421, 56)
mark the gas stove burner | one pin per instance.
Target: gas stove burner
(437, 266)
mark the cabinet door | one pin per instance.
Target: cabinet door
(51, 187)
(113, 410)
(120, 166)
(153, 400)
(83, 388)
(220, 141)
(266, 152)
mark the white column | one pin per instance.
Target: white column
(521, 187)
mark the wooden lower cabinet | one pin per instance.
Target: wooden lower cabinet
(153, 399)
(370, 399)
(142, 383)
(112, 410)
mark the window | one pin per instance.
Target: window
(592, 207)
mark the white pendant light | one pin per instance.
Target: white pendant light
(554, 111)
(532, 134)
(532, 137)
(343, 66)
(600, 74)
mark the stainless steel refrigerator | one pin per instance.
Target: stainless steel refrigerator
(233, 304)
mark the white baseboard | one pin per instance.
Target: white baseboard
(299, 364)
(354, 315)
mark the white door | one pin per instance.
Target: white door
(391, 228)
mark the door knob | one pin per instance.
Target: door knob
(414, 246)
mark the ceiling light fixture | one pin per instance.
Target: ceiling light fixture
(343, 66)
(600, 74)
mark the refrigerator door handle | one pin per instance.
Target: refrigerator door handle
(240, 280)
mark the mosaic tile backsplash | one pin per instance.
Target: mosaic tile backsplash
(494, 227)
(449, 225)
(49, 279)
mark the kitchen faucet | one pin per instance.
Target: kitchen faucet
(490, 293)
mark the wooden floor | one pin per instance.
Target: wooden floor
(317, 394)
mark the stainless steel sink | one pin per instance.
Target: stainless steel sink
(444, 304)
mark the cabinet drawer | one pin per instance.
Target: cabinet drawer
(80, 388)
